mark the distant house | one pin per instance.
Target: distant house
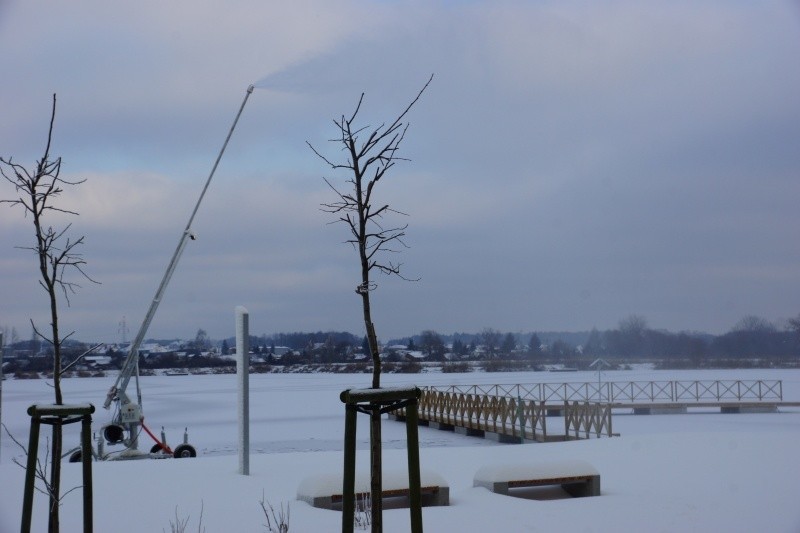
(415, 355)
(98, 361)
(121, 347)
(400, 352)
(153, 349)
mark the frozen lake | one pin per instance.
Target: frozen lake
(296, 430)
(302, 412)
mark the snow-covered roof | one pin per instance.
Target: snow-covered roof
(98, 359)
(535, 470)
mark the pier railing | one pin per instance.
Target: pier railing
(629, 391)
(584, 420)
(512, 418)
(516, 413)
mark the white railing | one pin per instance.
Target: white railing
(630, 391)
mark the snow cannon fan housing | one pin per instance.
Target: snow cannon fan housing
(113, 433)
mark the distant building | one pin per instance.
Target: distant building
(97, 361)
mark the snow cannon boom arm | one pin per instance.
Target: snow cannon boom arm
(130, 366)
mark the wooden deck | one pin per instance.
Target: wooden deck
(510, 420)
(686, 407)
(493, 412)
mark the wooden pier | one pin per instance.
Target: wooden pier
(520, 413)
(510, 420)
(632, 392)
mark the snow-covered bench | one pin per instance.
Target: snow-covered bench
(325, 490)
(577, 477)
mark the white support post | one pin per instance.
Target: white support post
(1, 378)
(243, 379)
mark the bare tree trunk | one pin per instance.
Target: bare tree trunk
(376, 470)
(50, 280)
(375, 446)
(53, 522)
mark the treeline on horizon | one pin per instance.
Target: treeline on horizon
(752, 337)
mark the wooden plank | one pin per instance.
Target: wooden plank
(547, 481)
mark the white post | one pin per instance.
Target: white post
(1, 379)
(243, 379)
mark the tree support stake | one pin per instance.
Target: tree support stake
(376, 402)
(59, 415)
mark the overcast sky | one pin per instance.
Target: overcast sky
(571, 164)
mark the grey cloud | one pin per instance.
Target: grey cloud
(570, 164)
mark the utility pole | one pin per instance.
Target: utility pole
(600, 364)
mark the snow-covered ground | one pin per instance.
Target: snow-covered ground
(693, 472)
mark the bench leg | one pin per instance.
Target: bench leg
(590, 487)
(498, 487)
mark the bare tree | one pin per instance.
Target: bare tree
(634, 325)
(793, 324)
(56, 254)
(754, 324)
(370, 153)
(432, 344)
(490, 338)
(632, 339)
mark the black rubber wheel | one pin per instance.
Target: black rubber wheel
(184, 451)
(76, 457)
(157, 449)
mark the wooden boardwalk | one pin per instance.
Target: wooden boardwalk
(685, 407)
(520, 413)
(510, 419)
